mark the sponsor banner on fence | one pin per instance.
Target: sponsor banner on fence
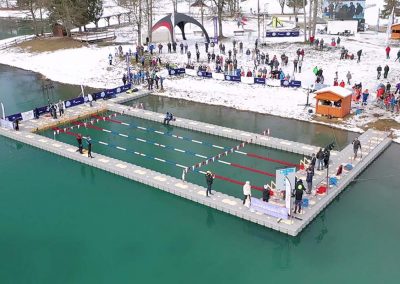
(247, 80)
(232, 78)
(14, 117)
(204, 74)
(259, 81)
(28, 115)
(6, 124)
(283, 34)
(291, 84)
(268, 208)
(176, 71)
(74, 102)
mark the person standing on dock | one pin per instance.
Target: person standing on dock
(89, 144)
(246, 191)
(356, 145)
(309, 179)
(320, 158)
(266, 194)
(209, 180)
(61, 107)
(79, 140)
(298, 194)
(313, 161)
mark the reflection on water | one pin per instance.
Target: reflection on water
(17, 27)
(309, 133)
(21, 90)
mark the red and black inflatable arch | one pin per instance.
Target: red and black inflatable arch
(180, 20)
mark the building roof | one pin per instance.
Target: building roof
(342, 92)
(396, 24)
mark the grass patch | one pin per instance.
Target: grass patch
(384, 124)
(49, 44)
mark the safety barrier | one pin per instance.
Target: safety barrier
(109, 93)
(234, 77)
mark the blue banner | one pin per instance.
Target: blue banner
(43, 110)
(291, 84)
(80, 100)
(232, 78)
(204, 74)
(176, 71)
(74, 102)
(259, 81)
(14, 117)
(283, 34)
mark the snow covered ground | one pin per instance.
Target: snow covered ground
(89, 66)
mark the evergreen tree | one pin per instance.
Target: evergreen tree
(70, 13)
(388, 8)
(95, 10)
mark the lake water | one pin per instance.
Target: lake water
(64, 222)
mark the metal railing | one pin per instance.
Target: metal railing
(16, 41)
(94, 36)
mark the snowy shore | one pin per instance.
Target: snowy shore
(88, 66)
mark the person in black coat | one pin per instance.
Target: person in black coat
(379, 71)
(298, 194)
(266, 194)
(327, 155)
(320, 158)
(209, 180)
(313, 161)
(385, 71)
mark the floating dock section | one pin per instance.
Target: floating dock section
(373, 144)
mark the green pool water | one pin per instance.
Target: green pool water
(245, 168)
(64, 222)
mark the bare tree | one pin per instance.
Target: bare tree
(220, 5)
(33, 7)
(314, 17)
(282, 4)
(135, 8)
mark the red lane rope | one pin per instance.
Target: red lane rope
(259, 188)
(87, 125)
(106, 118)
(252, 170)
(66, 132)
(248, 154)
(237, 182)
(273, 160)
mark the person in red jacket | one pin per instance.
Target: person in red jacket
(342, 84)
(335, 82)
(387, 52)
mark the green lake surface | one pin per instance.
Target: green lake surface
(64, 222)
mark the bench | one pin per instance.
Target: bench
(197, 32)
(240, 32)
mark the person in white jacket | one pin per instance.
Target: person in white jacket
(246, 191)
